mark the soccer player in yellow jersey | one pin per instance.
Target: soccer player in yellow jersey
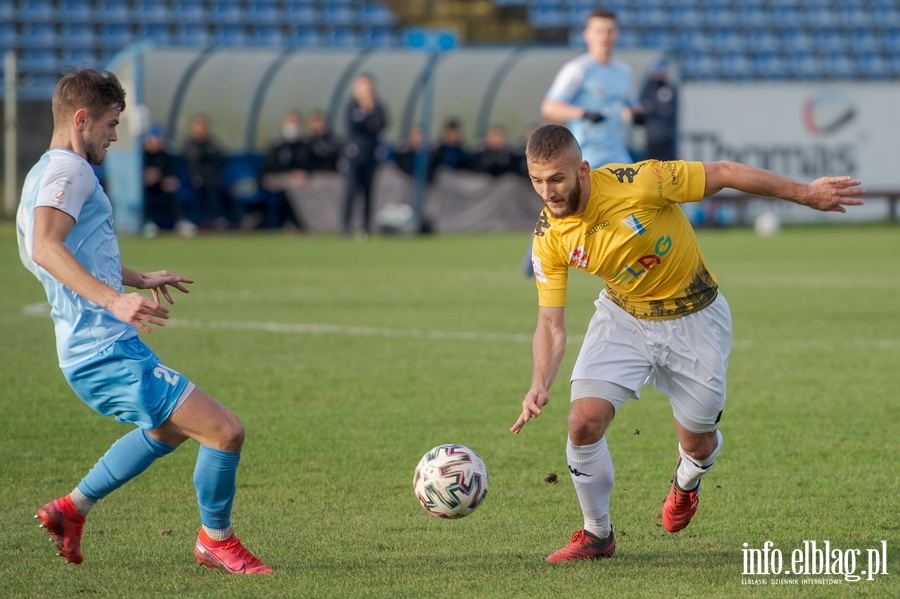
(660, 318)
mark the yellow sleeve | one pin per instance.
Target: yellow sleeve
(687, 181)
(551, 277)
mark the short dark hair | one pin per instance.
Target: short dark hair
(97, 91)
(602, 13)
(550, 142)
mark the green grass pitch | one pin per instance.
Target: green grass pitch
(347, 361)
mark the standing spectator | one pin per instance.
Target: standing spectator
(366, 118)
(206, 166)
(287, 165)
(323, 147)
(593, 94)
(162, 208)
(495, 157)
(66, 240)
(658, 113)
(450, 151)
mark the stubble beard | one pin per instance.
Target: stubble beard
(571, 203)
(95, 157)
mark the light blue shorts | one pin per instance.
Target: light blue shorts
(128, 381)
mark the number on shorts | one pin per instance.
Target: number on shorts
(161, 372)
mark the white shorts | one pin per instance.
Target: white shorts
(685, 358)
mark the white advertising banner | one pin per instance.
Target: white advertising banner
(800, 131)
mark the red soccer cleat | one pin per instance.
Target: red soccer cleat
(679, 506)
(585, 545)
(229, 555)
(63, 523)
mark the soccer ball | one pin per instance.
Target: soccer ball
(451, 481)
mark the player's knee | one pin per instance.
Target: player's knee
(230, 436)
(700, 445)
(588, 420)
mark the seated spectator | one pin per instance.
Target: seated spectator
(495, 157)
(162, 209)
(406, 155)
(450, 151)
(287, 164)
(322, 146)
(206, 167)
(519, 152)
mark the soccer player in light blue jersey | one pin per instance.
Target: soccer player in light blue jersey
(66, 239)
(593, 94)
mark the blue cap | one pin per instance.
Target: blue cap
(660, 65)
(155, 130)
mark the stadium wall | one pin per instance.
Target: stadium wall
(802, 130)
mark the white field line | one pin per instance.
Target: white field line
(352, 331)
(298, 328)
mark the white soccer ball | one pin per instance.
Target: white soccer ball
(767, 224)
(451, 481)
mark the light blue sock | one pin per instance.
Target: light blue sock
(214, 479)
(128, 457)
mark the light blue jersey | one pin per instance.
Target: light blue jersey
(596, 87)
(64, 180)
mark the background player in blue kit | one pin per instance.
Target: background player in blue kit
(593, 94)
(66, 239)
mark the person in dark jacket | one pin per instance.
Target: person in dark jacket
(366, 118)
(162, 210)
(413, 155)
(495, 156)
(206, 166)
(287, 164)
(322, 145)
(450, 151)
(658, 113)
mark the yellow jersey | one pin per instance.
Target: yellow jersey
(634, 234)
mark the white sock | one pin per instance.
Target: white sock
(82, 503)
(592, 473)
(691, 469)
(218, 534)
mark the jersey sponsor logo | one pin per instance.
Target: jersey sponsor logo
(599, 226)
(632, 222)
(625, 172)
(543, 222)
(644, 264)
(59, 196)
(579, 258)
(657, 170)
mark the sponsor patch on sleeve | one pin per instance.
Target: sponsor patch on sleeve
(61, 189)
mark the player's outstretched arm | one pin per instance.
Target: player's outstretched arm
(831, 194)
(548, 347)
(828, 194)
(158, 282)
